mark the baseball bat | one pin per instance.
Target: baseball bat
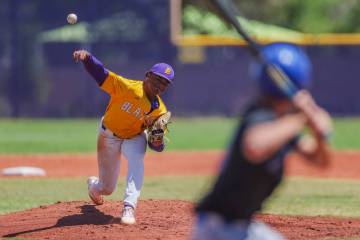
(228, 11)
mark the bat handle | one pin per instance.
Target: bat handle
(281, 80)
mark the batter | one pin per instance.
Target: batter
(268, 131)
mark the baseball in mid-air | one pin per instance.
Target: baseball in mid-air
(71, 18)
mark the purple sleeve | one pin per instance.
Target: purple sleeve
(157, 149)
(96, 69)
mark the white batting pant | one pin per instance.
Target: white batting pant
(213, 227)
(109, 149)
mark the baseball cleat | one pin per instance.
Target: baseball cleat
(97, 199)
(128, 216)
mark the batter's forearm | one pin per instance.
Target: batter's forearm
(263, 140)
(96, 69)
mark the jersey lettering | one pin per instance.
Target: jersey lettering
(126, 107)
(137, 113)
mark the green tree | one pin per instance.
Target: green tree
(310, 16)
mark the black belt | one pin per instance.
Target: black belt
(104, 128)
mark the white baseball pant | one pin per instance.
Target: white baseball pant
(109, 149)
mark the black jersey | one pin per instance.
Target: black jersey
(242, 186)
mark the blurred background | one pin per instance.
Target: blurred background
(50, 105)
(38, 77)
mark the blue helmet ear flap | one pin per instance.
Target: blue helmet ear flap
(291, 59)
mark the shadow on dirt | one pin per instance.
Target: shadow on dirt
(89, 215)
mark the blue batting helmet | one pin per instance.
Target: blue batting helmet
(291, 59)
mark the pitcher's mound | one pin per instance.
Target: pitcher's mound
(156, 219)
(82, 220)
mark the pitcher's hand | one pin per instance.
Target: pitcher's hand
(81, 55)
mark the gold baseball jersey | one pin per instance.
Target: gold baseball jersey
(129, 106)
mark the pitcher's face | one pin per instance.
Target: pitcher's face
(157, 84)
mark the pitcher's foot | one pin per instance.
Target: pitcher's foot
(97, 199)
(128, 215)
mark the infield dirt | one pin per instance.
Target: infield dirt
(345, 164)
(159, 219)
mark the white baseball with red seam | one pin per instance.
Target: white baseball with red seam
(71, 18)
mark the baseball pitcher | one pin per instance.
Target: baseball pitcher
(270, 128)
(135, 118)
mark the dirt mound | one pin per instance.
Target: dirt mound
(156, 219)
(305, 228)
(82, 220)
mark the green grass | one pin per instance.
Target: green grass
(200, 133)
(18, 194)
(346, 133)
(312, 197)
(79, 135)
(297, 196)
(47, 136)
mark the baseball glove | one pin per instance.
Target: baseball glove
(156, 132)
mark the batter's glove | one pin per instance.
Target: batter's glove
(157, 131)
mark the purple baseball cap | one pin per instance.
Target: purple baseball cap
(163, 70)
